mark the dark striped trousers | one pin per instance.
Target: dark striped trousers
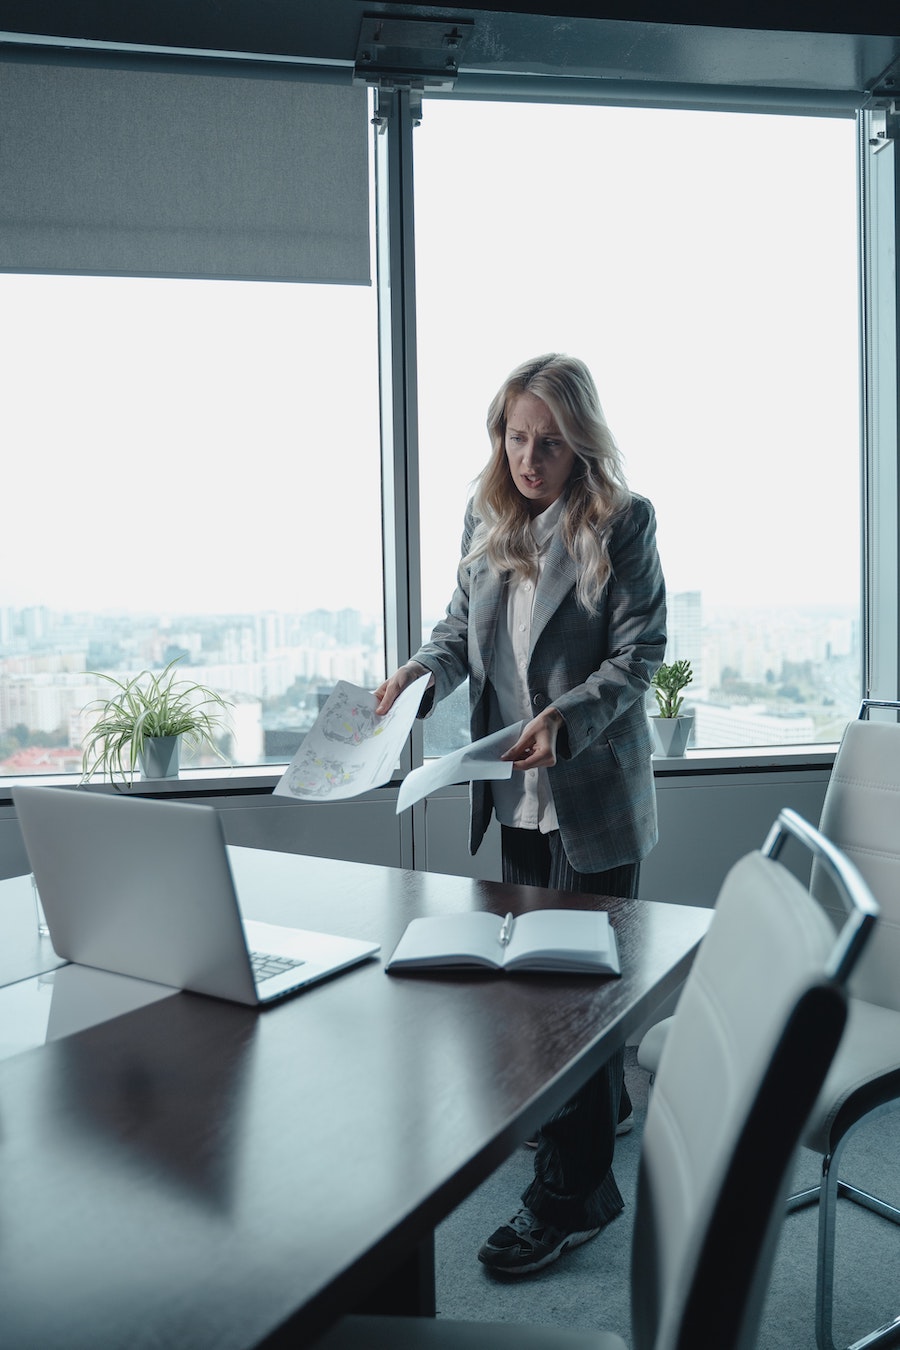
(574, 1187)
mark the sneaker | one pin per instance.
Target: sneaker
(526, 1244)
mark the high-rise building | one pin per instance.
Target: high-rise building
(685, 621)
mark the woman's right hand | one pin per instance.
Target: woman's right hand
(388, 692)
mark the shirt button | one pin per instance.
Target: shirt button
(521, 628)
(527, 586)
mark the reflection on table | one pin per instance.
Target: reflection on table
(195, 1173)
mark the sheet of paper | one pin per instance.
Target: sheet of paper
(349, 749)
(481, 759)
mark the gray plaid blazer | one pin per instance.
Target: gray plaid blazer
(594, 669)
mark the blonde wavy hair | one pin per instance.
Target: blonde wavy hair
(596, 494)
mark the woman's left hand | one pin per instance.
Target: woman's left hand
(536, 747)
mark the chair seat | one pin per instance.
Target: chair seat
(651, 1046)
(867, 1063)
(425, 1333)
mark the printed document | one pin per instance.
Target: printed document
(350, 749)
(481, 759)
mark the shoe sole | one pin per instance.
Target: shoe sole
(573, 1240)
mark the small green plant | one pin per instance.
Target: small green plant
(668, 683)
(146, 706)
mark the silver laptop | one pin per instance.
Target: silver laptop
(145, 888)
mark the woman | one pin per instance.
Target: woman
(558, 618)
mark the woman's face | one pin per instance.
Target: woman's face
(540, 461)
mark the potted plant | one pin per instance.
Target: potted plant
(672, 727)
(144, 722)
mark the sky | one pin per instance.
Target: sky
(213, 446)
(704, 266)
(206, 446)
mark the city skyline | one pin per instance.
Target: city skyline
(791, 679)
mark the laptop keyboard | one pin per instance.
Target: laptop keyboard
(265, 965)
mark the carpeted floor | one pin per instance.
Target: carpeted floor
(590, 1285)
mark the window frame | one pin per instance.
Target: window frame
(485, 86)
(878, 236)
(879, 227)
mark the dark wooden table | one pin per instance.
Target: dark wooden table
(196, 1174)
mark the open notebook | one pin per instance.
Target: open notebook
(571, 940)
(144, 888)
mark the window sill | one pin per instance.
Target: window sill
(745, 759)
(260, 780)
(190, 782)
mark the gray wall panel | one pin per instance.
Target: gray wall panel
(706, 824)
(366, 829)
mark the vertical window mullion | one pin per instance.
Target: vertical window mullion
(879, 226)
(399, 415)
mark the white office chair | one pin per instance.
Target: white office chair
(861, 815)
(759, 1021)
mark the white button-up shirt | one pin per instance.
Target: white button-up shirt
(524, 800)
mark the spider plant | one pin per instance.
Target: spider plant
(668, 683)
(142, 708)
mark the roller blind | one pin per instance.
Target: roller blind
(202, 170)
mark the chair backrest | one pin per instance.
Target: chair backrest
(861, 815)
(758, 1023)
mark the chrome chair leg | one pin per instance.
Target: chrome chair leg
(830, 1190)
(889, 1334)
(825, 1263)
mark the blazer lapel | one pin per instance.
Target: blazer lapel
(557, 580)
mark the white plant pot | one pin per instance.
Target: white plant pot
(672, 733)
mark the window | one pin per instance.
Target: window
(192, 467)
(192, 463)
(704, 265)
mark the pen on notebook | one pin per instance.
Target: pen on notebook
(506, 930)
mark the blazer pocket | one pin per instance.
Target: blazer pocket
(632, 749)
